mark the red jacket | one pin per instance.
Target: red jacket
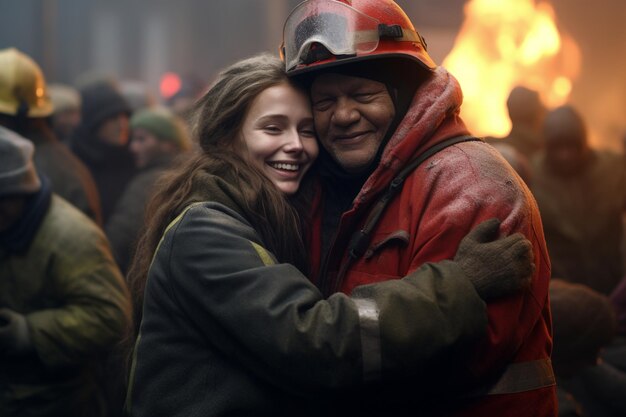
(438, 205)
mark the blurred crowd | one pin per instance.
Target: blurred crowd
(77, 166)
(581, 193)
(92, 156)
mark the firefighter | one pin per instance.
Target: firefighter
(402, 182)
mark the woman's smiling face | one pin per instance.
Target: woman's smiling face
(279, 135)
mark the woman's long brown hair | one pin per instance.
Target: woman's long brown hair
(216, 121)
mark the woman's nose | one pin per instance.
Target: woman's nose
(293, 142)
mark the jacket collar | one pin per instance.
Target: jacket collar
(18, 238)
(432, 117)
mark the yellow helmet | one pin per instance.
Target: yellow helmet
(22, 84)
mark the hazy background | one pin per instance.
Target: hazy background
(143, 39)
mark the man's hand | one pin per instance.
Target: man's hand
(496, 266)
(14, 333)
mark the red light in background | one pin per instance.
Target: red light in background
(170, 84)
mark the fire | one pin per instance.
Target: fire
(503, 44)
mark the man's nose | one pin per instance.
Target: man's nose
(345, 112)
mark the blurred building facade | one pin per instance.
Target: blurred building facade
(143, 39)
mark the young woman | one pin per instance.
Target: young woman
(231, 325)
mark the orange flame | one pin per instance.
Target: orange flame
(503, 44)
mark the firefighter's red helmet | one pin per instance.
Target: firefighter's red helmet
(319, 34)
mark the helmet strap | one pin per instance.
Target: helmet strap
(21, 116)
(22, 109)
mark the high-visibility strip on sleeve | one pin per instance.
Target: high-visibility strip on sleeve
(370, 338)
(266, 258)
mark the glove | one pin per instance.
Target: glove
(495, 266)
(14, 333)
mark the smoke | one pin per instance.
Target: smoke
(599, 92)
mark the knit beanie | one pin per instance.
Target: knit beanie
(583, 320)
(17, 172)
(524, 106)
(164, 125)
(101, 101)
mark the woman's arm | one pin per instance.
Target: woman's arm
(270, 318)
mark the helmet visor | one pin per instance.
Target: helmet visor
(339, 28)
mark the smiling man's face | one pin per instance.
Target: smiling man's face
(352, 116)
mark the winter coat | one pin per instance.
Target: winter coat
(77, 308)
(582, 220)
(438, 204)
(69, 177)
(112, 167)
(127, 219)
(228, 331)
